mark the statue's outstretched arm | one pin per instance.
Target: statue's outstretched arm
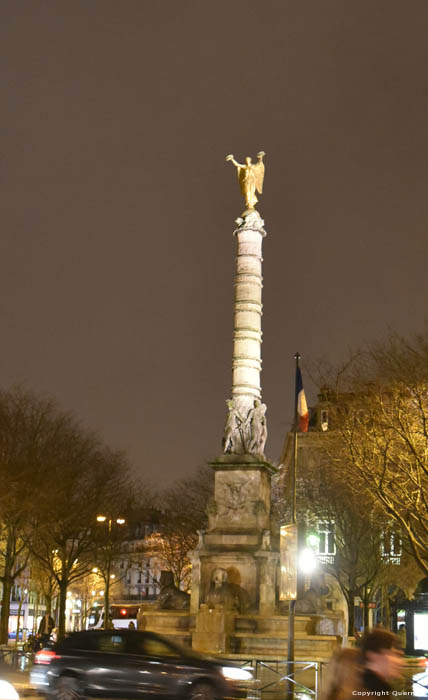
(235, 162)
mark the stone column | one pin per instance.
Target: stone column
(245, 431)
(196, 581)
(247, 336)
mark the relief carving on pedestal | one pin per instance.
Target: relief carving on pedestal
(233, 499)
(266, 541)
(261, 513)
(212, 512)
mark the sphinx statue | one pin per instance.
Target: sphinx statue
(170, 597)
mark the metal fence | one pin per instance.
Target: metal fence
(272, 678)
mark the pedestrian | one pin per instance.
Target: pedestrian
(45, 628)
(343, 676)
(402, 636)
(382, 661)
(131, 626)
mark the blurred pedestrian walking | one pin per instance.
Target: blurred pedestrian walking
(343, 676)
(402, 636)
(382, 661)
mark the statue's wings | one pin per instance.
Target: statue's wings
(259, 172)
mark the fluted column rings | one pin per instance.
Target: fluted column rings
(247, 336)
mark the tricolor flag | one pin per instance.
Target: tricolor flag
(302, 406)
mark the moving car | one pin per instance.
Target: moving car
(133, 664)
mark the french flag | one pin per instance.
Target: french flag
(302, 406)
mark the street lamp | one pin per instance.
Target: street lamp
(313, 540)
(107, 575)
(307, 560)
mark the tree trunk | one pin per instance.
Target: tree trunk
(48, 598)
(351, 615)
(55, 604)
(7, 587)
(387, 619)
(5, 610)
(18, 622)
(62, 608)
(366, 611)
(107, 601)
(36, 613)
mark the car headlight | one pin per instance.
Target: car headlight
(7, 691)
(232, 673)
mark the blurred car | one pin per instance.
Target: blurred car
(133, 664)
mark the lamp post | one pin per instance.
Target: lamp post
(293, 521)
(106, 573)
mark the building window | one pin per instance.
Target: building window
(391, 546)
(326, 544)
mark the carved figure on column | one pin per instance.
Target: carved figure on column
(250, 176)
(256, 421)
(245, 435)
(232, 441)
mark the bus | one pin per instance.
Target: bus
(121, 615)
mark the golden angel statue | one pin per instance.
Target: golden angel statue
(250, 178)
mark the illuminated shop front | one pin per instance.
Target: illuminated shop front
(414, 615)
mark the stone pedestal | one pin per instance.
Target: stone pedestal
(238, 538)
(268, 565)
(214, 629)
(174, 624)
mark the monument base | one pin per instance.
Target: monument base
(234, 564)
(214, 630)
(175, 624)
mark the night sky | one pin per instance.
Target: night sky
(117, 254)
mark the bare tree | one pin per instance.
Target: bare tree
(324, 495)
(89, 480)
(59, 477)
(327, 493)
(182, 510)
(170, 548)
(380, 411)
(28, 424)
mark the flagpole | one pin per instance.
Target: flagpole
(292, 604)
